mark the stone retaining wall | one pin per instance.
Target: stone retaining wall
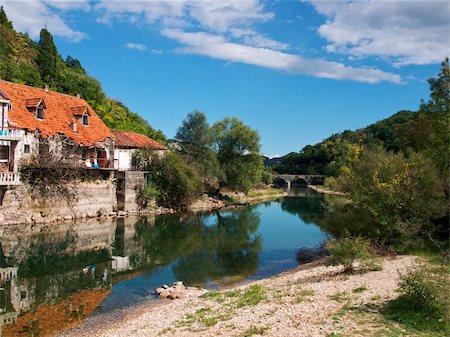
(87, 199)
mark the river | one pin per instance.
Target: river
(63, 273)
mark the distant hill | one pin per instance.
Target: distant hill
(37, 64)
(395, 133)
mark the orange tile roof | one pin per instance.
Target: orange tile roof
(79, 110)
(58, 114)
(135, 140)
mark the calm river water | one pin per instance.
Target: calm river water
(93, 267)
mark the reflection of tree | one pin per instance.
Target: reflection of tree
(310, 209)
(230, 248)
(169, 238)
(201, 251)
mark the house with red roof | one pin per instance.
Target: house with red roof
(34, 121)
(127, 143)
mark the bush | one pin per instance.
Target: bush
(423, 303)
(347, 250)
(177, 183)
(266, 177)
(425, 291)
(148, 193)
(394, 198)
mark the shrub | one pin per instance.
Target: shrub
(425, 291)
(393, 198)
(148, 193)
(423, 303)
(347, 250)
(177, 183)
(266, 177)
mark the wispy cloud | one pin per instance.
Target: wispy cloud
(32, 16)
(216, 46)
(404, 32)
(136, 46)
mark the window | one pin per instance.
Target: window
(26, 148)
(40, 112)
(4, 154)
(23, 295)
(85, 119)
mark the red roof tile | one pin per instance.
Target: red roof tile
(58, 114)
(79, 110)
(135, 140)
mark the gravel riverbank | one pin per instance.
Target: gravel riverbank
(315, 300)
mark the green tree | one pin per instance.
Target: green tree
(237, 147)
(4, 19)
(195, 130)
(195, 140)
(394, 199)
(178, 184)
(47, 57)
(435, 118)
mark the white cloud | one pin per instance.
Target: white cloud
(68, 5)
(216, 46)
(136, 46)
(31, 16)
(405, 32)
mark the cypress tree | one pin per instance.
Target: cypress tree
(47, 57)
(4, 19)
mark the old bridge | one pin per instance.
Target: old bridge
(307, 178)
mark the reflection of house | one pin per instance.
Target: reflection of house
(38, 121)
(127, 143)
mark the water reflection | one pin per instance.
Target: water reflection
(55, 276)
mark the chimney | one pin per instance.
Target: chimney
(78, 96)
(46, 88)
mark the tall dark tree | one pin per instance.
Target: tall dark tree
(4, 19)
(195, 130)
(435, 118)
(195, 140)
(47, 57)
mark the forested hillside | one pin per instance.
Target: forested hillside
(37, 64)
(406, 132)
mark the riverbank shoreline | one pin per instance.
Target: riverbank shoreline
(323, 190)
(310, 300)
(205, 203)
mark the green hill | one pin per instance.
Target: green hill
(425, 131)
(36, 64)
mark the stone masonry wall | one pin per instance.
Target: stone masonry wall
(92, 199)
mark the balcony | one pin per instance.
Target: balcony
(9, 178)
(11, 134)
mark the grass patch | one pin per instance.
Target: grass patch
(359, 290)
(251, 296)
(340, 296)
(254, 330)
(424, 301)
(303, 294)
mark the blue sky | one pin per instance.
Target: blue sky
(297, 71)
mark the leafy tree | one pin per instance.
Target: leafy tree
(195, 140)
(435, 118)
(47, 58)
(195, 130)
(177, 183)
(394, 199)
(237, 147)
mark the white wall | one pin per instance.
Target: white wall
(122, 159)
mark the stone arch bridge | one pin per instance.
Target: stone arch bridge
(308, 178)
